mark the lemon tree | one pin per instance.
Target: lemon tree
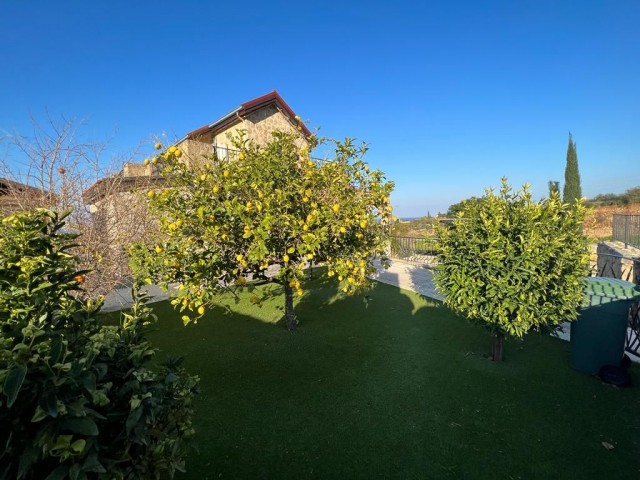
(225, 223)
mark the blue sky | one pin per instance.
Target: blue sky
(450, 95)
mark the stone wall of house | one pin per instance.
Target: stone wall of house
(223, 139)
(137, 170)
(261, 123)
(196, 151)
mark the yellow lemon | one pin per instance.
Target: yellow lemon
(363, 224)
(151, 194)
(241, 156)
(216, 189)
(201, 310)
(336, 208)
(158, 146)
(158, 249)
(172, 149)
(285, 258)
(239, 257)
(146, 161)
(226, 173)
(343, 230)
(178, 153)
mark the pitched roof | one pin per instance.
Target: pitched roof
(245, 109)
(119, 184)
(10, 186)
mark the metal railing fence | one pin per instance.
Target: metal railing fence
(626, 229)
(414, 249)
(423, 251)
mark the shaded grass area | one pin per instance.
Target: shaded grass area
(398, 388)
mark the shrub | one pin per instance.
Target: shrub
(512, 264)
(79, 399)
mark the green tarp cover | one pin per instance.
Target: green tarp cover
(611, 288)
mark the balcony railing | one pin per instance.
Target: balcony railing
(626, 229)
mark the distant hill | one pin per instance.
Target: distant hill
(629, 197)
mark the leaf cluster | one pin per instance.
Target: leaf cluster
(79, 399)
(513, 264)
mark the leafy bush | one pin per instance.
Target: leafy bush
(78, 398)
(513, 264)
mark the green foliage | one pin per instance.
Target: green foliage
(462, 206)
(572, 190)
(78, 398)
(512, 264)
(227, 222)
(630, 196)
(417, 227)
(554, 187)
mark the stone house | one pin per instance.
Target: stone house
(121, 211)
(258, 118)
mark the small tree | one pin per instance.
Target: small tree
(554, 187)
(513, 264)
(572, 189)
(461, 206)
(226, 222)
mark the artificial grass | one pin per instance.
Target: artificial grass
(398, 388)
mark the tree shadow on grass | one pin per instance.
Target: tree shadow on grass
(391, 388)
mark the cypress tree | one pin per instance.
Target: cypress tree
(572, 190)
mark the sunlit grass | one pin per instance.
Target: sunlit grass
(397, 387)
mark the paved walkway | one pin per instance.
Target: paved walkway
(408, 276)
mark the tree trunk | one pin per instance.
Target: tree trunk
(289, 312)
(497, 347)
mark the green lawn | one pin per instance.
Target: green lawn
(400, 388)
